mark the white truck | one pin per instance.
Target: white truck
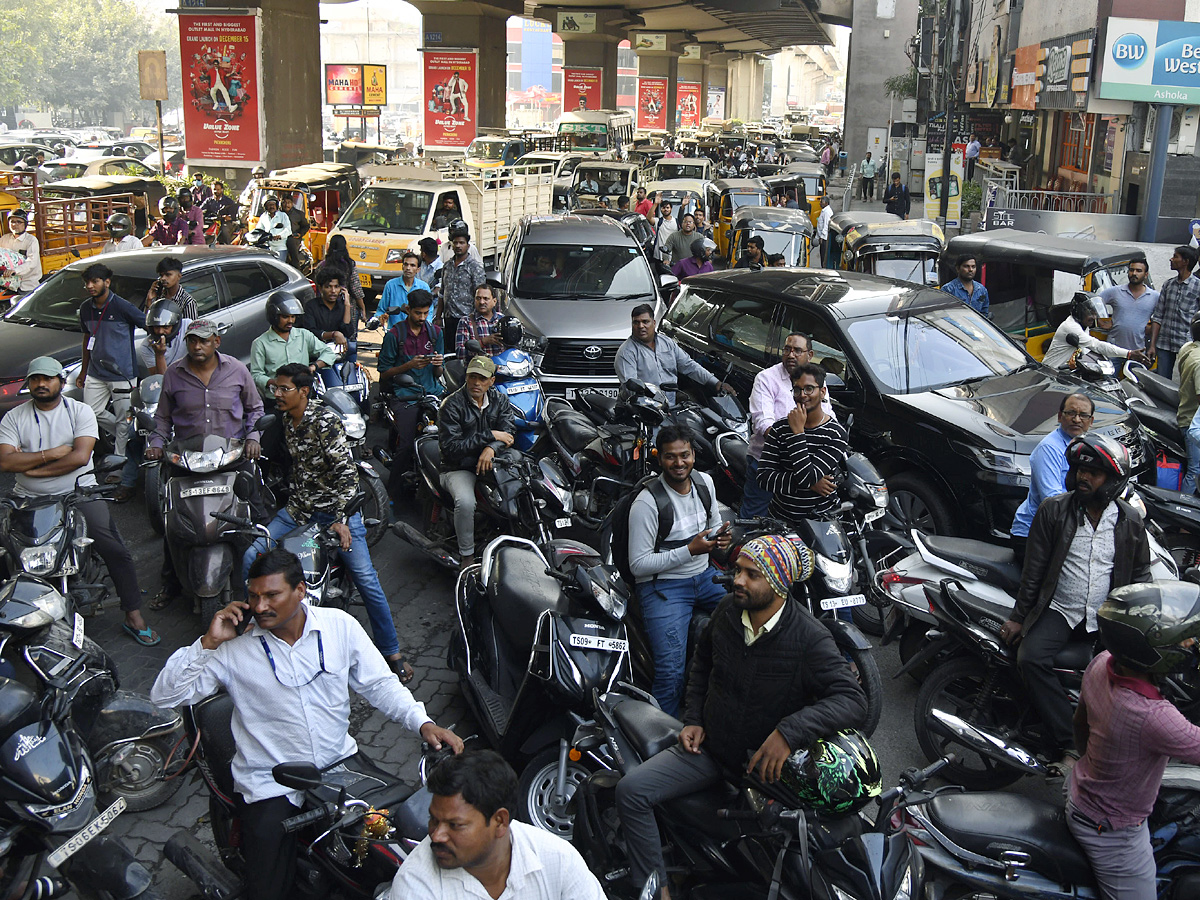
(403, 204)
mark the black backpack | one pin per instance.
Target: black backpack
(616, 534)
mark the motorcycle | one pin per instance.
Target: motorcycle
(355, 383)
(539, 629)
(1154, 401)
(357, 825)
(514, 379)
(729, 842)
(978, 691)
(260, 239)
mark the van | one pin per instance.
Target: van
(595, 131)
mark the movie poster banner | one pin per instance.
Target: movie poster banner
(450, 92)
(222, 104)
(582, 89)
(688, 95)
(716, 102)
(652, 104)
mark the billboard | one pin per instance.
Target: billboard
(933, 184)
(582, 89)
(688, 96)
(716, 102)
(1151, 61)
(222, 104)
(348, 84)
(652, 104)
(450, 83)
(1064, 70)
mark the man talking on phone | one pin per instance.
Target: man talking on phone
(674, 525)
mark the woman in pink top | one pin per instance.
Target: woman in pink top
(1127, 731)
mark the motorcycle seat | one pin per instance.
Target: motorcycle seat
(1164, 421)
(995, 565)
(520, 591)
(574, 429)
(699, 810)
(1075, 655)
(648, 728)
(603, 407)
(385, 796)
(214, 717)
(1164, 390)
(991, 823)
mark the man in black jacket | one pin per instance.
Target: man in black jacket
(1082, 544)
(766, 679)
(896, 199)
(474, 424)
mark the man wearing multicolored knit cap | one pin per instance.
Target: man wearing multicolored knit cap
(766, 680)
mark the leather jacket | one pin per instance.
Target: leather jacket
(464, 430)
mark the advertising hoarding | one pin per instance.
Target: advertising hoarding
(688, 95)
(1151, 61)
(222, 105)
(652, 104)
(450, 91)
(582, 89)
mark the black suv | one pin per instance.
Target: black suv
(944, 403)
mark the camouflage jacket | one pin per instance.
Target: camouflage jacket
(323, 476)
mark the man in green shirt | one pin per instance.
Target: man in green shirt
(1188, 366)
(284, 343)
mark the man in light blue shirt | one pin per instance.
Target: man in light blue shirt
(654, 358)
(966, 288)
(1132, 304)
(394, 301)
(1048, 463)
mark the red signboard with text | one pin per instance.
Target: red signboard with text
(582, 89)
(450, 91)
(688, 95)
(652, 104)
(222, 105)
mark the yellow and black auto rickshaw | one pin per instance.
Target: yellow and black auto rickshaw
(786, 231)
(725, 195)
(908, 250)
(321, 190)
(842, 222)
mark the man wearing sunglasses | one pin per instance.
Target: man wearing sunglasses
(289, 676)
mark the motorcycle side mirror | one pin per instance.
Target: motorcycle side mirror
(298, 775)
(264, 422)
(111, 463)
(404, 380)
(474, 348)
(383, 456)
(650, 890)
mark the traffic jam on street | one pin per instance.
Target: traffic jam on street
(742, 469)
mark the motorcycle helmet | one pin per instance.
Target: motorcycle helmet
(837, 774)
(511, 331)
(164, 313)
(259, 172)
(282, 303)
(1095, 451)
(1143, 625)
(270, 198)
(119, 225)
(458, 228)
(168, 207)
(1085, 305)
(185, 197)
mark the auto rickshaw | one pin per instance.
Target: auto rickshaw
(908, 250)
(809, 181)
(321, 190)
(724, 196)
(359, 154)
(842, 222)
(1031, 278)
(786, 231)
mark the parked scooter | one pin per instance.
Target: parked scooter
(357, 825)
(539, 630)
(1154, 401)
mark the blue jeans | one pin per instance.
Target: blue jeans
(667, 606)
(1165, 366)
(754, 498)
(1192, 439)
(358, 560)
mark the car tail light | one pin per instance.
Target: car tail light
(11, 388)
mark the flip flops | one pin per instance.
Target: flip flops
(146, 637)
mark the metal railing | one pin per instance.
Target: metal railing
(848, 193)
(1059, 201)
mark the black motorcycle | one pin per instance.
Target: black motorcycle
(357, 825)
(539, 630)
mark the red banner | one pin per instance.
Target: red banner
(450, 98)
(222, 104)
(582, 89)
(688, 94)
(652, 104)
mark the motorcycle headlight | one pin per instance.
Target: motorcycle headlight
(532, 343)
(518, 368)
(839, 576)
(394, 256)
(356, 426)
(39, 560)
(203, 461)
(904, 889)
(610, 601)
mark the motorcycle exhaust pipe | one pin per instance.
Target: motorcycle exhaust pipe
(208, 874)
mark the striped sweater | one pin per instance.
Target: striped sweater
(792, 463)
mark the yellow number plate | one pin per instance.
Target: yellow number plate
(364, 280)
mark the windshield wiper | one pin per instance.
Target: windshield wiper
(633, 296)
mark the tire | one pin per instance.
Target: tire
(915, 503)
(872, 685)
(378, 506)
(954, 686)
(912, 639)
(153, 500)
(1184, 549)
(143, 788)
(869, 617)
(210, 606)
(535, 793)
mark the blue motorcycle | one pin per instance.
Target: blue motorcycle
(514, 376)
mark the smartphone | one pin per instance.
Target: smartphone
(717, 532)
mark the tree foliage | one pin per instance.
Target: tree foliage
(901, 86)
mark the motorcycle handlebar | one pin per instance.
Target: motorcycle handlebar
(737, 814)
(232, 520)
(915, 779)
(295, 823)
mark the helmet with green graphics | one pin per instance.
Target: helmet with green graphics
(837, 774)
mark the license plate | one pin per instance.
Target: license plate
(843, 602)
(77, 632)
(76, 842)
(595, 642)
(364, 280)
(606, 392)
(205, 491)
(563, 523)
(874, 514)
(520, 388)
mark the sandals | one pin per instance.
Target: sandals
(161, 600)
(147, 637)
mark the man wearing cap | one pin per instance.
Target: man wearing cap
(47, 442)
(21, 241)
(766, 679)
(475, 423)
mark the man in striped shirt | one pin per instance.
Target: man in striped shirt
(802, 452)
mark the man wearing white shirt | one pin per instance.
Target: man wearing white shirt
(474, 848)
(20, 240)
(771, 399)
(120, 235)
(664, 228)
(278, 225)
(823, 224)
(289, 677)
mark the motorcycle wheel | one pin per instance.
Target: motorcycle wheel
(954, 687)
(869, 617)
(872, 684)
(1184, 549)
(153, 501)
(911, 641)
(377, 506)
(143, 788)
(535, 793)
(210, 606)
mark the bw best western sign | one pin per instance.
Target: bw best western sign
(1152, 61)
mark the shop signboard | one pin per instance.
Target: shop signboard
(1024, 77)
(582, 88)
(652, 104)
(450, 91)
(1151, 61)
(222, 99)
(1064, 71)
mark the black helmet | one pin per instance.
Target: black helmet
(1095, 451)
(168, 204)
(458, 228)
(1144, 624)
(282, 303)
(837, 774)
(267, 199)
(697, 248)
(511, 331)
(1085, 305)
(164, 313)
(259, 172)
(119, 224)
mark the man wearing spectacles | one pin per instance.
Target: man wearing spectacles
(289, 676)
(1048, 464)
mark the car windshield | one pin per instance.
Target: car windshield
(388, 209)
(675, 170)
(585, 273)
(915, 267)
(740, 200)
(56, 301)
(931, 348)
(481, 149)
(260, 199)
(604, 178)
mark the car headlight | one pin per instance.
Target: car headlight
(39, 560)
(839, 576)
(1008, 463)
(394, 256)
(518, 368)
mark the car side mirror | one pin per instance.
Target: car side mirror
(834, 382)
(493, 278)
(668, 282)
(298, 776)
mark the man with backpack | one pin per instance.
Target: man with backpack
(673, 527)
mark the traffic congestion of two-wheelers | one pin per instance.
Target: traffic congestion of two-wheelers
(902, 524)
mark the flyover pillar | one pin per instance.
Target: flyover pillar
(462, 25)
(718, 78)
(662, 63)
(746, 84)
(590, 44)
